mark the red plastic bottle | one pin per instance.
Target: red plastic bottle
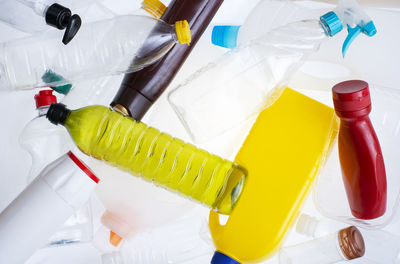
(360, 154)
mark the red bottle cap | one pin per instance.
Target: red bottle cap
(351, 96)
(45, 98)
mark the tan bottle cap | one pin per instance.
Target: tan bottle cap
(351, 242)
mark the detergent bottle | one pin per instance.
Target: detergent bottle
(122, 44)
(43, 141)
(144, 151)
(244, 81)
(283, 153)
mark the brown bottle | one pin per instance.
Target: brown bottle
(139, 90)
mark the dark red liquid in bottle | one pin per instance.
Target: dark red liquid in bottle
(139, 90)
(360, 154)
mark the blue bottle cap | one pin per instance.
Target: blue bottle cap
(225, 36)
(332, 24)
(220, 258)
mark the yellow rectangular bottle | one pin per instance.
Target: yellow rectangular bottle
(283, 153)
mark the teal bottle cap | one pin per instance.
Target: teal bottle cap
(225, 36)
(332, 24)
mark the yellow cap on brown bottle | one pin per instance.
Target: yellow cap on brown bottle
(351, 242)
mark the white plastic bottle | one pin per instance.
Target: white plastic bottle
(33, 15)
(122, 44)
(346, 244)
(63, 186)
(248, 79)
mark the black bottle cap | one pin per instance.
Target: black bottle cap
(61, 17)
(58, 113)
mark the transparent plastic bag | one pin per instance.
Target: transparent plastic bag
(330, 196)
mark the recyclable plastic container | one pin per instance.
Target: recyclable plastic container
(283, 153)
(101, 48)
(246, 80)
(144, 151)
(43, 141)
(63, 186)
(330, 196)
(381, 246)
(347, 244)
(46, 143)
(33, 15)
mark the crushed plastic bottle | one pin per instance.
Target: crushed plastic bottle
(101, 48)
(144, 151)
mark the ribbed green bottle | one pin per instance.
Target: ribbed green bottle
(145, 151)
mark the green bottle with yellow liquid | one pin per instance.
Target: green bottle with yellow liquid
(145, 151)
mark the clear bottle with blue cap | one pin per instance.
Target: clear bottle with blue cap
(246, 80)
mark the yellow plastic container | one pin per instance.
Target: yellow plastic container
(283, 153)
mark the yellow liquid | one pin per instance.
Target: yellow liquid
(145, 151)
(283, 153)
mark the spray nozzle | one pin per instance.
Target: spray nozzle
(61, 17)
(357, 21)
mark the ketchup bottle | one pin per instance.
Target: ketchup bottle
(360, 154)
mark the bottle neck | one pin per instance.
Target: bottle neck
(42, 111)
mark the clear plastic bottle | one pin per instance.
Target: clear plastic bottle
(120, 140)
(349, 11)
(33, 15)
(63, 187)
(246, 80)
(43, 141)
(46, 143)
(345, 244)
(383, 246)
(270, 13)
(122, 44)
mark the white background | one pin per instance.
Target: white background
(377, 60)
